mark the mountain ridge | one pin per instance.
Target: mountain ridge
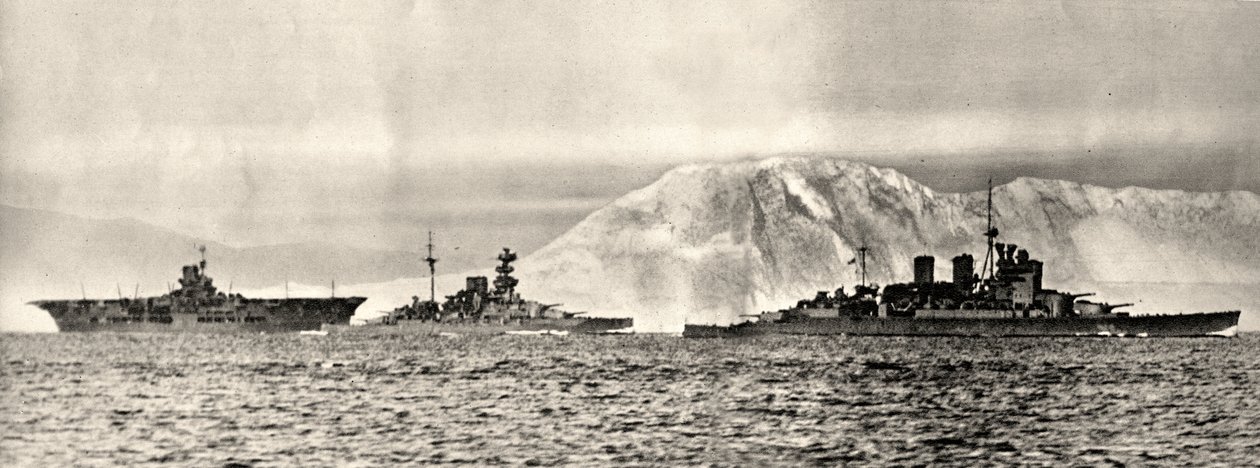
(713, 241)
(708, 242)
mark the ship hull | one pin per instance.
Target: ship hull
(245, 316)
(592, 325)
(1184, 325)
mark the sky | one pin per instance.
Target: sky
(368, 123)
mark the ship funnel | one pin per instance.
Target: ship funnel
(1000, 249)
(924, 269)
(964, 270)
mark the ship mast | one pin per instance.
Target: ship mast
(990, 233)
(432, 271)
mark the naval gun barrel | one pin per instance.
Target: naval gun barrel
(1110, 307)
(546, 307)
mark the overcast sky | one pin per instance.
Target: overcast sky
(259, 122)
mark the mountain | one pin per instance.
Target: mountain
(706, 243)
(48, 255)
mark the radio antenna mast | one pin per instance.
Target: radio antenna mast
(990, 233)
(432, 271)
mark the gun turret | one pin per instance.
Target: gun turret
(543, 308)
(1096, 308)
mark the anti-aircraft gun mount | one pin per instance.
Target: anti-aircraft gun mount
(861, 303)
(1009, 285)
(1006, 299)
(1014, 288)
(477, 302)
(198, 306)
(417, 309)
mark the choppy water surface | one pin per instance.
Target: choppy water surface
(639, 400)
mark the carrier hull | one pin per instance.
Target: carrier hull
(1183, 325)
(592, 325)
(242, 316)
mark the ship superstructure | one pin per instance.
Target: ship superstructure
(1008, 300)
(478, 308)
(198, 306)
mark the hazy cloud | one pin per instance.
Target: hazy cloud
(215, 114)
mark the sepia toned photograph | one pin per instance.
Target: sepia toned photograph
(635, 233)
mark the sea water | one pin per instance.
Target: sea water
(273, 400)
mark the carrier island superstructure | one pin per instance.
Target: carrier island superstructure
(1006, 298)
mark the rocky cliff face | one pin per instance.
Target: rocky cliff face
(706, 243)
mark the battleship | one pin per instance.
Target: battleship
(197, 306)
(1008, 299)
(479, 310)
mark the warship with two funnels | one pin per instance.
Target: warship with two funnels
(198, 307)
(479, 310)
(1008, 300)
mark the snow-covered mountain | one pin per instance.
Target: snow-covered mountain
(709, 242)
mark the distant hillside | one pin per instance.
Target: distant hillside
(708, 242)
(45, 254)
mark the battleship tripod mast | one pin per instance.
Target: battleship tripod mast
(990, 233)
(432, 271)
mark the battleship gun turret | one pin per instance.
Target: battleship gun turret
(1097, 308)
(1006, 299)
(486, 306)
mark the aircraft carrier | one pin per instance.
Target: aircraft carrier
(197, 306)
(1008, 300)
